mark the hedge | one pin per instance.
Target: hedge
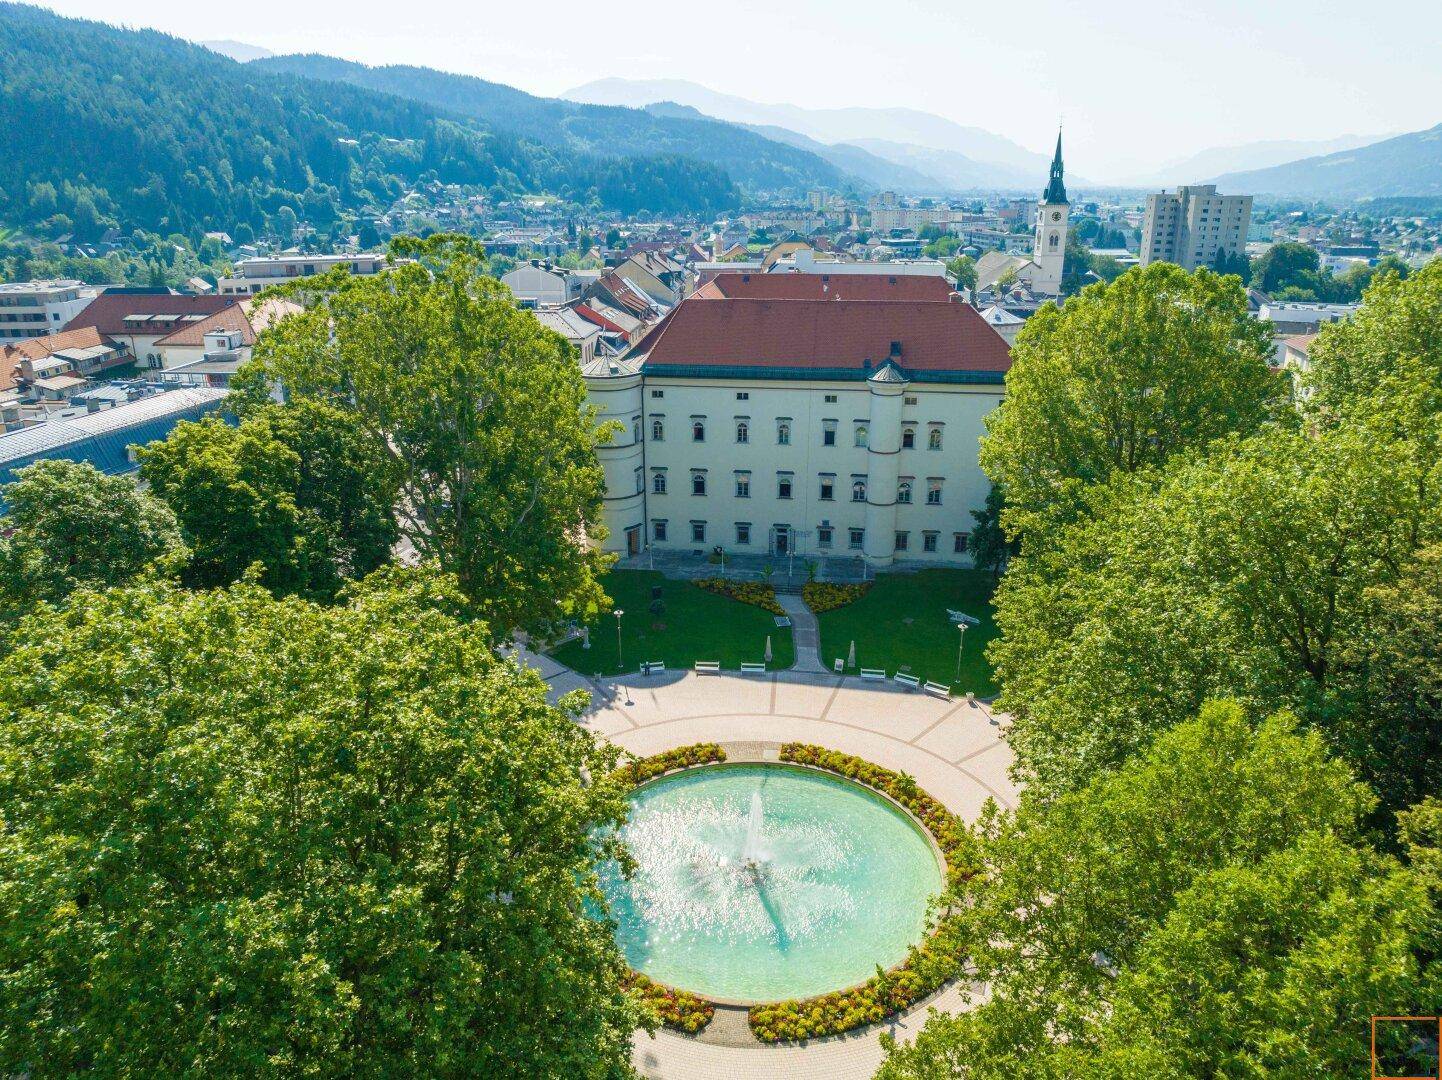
(928, 967)
(748, 592)
(823, 596)
(647, 768)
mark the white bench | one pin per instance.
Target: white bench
(708, 667)
(651, 667)
(906, 680)
(839, 666)
(873, 674)
(753, 669)
(939, 690)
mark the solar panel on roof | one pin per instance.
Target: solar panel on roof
(137, 318)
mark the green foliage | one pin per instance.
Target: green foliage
(1240, 573)
(963, 270)
(481, 413)
(255, 836)
(1205, 910)
(1120, 379)
(679, 1010)
(747, 592)
(822, 596)
(682, 757)
(990, 547)
(72, 527)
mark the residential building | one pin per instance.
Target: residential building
(84, 351)
(540, 284)
(31, 309)
(223, 354)
(252, 275)
(824, 428)
(239, 324)
(1193, 225)
(575, 328)
(138, 320)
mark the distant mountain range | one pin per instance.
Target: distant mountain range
(1220, 160)
(237, 50)
(1408, 164)
(754, 162)
(970, 157)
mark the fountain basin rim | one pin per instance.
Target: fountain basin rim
(794, 766)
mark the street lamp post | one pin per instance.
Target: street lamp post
(618, 613)
(960, 641)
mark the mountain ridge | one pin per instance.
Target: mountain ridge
(1404, 165)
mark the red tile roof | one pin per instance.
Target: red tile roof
(38, 348)
(823, 286)
(849, 334)
(108, 310)
(247, 316)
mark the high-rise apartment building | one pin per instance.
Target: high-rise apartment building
(1191, 226)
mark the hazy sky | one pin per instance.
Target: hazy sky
(1138, 82)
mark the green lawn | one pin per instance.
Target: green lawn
(695, 626)
(902, 621)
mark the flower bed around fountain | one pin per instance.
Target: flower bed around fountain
(928, 965)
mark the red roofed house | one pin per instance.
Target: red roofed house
(823, 286)
(139, 320)
(788, 423)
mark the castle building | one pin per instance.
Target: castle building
(797, 423)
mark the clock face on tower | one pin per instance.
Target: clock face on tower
(1056, 215)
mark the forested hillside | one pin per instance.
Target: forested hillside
(751, 159)
(108, 127)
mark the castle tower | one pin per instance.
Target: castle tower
(1049, 252)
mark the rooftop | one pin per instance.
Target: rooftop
(825, 286)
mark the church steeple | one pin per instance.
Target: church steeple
(1055, 191)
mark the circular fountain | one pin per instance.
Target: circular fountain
(761, 882)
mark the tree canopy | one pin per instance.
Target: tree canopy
(481, 413)
(252, 836)
(1123, 377)
(73, 527)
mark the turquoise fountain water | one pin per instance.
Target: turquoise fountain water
(761, 882)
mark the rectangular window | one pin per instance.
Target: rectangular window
(902, 540)
(743, 485)
(658, 530)
(698, 532)
(698, 483)
(828, 489)
(783, 487)
(658, 394)
(861, 435)
(828, 433)
(958, 542)
(908, 438)
(928, 541)
(911, 401)
(743, 533)
(698, 431)
(856, 537)
(658, 482)
(823, 536)
(831, 399)
(933, 492)
(743, 395)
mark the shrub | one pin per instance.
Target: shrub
(678, 1009)
(748, 592)
(647, 768)
(824, 596)
(658, 607)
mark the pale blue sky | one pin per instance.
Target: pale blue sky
(1138, 82)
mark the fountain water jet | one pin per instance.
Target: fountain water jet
(753, 858)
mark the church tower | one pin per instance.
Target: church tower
(1049, 252)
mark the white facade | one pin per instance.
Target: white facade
(252, 275)
(535, 284)
(1191, 226)
(883, 468)
(30, 309)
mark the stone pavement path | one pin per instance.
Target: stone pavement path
(805, 634)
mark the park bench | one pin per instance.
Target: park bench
(651, 667)
(906, 680)
(753, 669)
(939, 690)
(873, 674)
(708, 667)
(840, 666)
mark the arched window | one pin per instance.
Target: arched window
(858, 491)
(1051, 241)
(743, 431)
(658, 431)
(861, 435)
(635, 430)
(698, 431)
(783, 434)
(933, 439)
(903, 492)
(658, 483)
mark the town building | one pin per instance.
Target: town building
(846, 428)
(1191, 226)
(139, 319)
(540, 284)
(85, 352)
(574, 327)
(1052, 216)
(252, 275)
(30, 309)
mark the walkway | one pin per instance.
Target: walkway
(954, 750)
(805, 634)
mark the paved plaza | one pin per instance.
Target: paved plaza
(952, 748)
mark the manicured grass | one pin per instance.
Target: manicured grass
(902, 621)
(695, 626)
